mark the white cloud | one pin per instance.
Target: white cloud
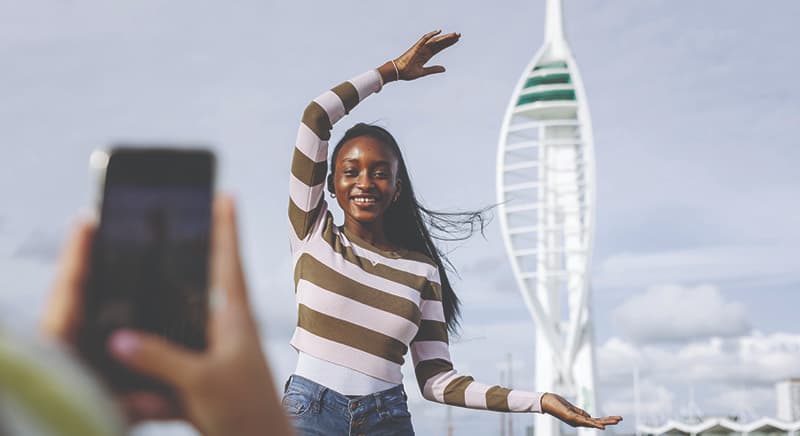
(656, 403)
(728, 376)
(742, 402)
(676, 313)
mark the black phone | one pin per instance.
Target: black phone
(150, 255)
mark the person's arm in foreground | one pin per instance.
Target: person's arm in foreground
(226, 389)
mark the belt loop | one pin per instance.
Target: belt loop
(316, 405)
(379, 405)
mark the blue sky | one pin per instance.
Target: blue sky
(694, 107)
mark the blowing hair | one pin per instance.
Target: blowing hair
(411, 226)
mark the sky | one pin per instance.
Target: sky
(694, 107)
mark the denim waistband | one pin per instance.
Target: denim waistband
(377, 401)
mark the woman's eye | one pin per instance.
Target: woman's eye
(350, 172)
(381, 174)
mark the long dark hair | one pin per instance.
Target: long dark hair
(411, 226)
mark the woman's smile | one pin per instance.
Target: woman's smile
(364, 200)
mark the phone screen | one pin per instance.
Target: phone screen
(149, 267)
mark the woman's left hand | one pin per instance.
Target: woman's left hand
(562, 409)
(411, 64)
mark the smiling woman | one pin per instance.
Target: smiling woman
(374, 288)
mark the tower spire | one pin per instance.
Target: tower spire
(554, 22)
(555, 42)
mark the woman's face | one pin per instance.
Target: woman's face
(365, 179)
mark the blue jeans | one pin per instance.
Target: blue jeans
(318, 411)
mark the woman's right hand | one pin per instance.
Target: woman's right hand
(567, 412)
(411, 64)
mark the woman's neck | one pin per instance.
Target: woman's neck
(371, 233)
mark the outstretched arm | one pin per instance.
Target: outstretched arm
(440, 382)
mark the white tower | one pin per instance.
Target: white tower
(788, 399)
(545, 187)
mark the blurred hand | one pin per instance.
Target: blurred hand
(226, 389)
(63, 312)
(411, 64)
(576, 417)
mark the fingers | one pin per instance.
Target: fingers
(441, 42)
(226, 267)
(609, 420)
(426, 37)
(63, 310)
(230, 310)
(153, 356)
(599, 423)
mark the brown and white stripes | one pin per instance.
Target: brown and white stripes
(360, 307)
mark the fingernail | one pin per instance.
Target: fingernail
(124, 342)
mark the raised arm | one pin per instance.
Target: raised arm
(309, 164)
(440, 382)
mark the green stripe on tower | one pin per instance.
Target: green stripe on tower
(558, 94)
(550, 79)
(556, 64)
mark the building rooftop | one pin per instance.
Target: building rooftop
(722, 426)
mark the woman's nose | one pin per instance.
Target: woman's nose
(363, 179)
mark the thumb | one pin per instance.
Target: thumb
(436, 69)
(153, 355)
(226, 265)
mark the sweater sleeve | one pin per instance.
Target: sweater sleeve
(440, 382)
(309, 162)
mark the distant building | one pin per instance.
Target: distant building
(786, 424)
(788, 399)
(724, 427)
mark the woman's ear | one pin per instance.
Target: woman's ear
(331, 188)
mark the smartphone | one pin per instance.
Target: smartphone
(150, 254)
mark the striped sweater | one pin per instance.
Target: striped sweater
(361, 307)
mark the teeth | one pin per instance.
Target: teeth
(364, 200)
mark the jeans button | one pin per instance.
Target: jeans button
(353, 406)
